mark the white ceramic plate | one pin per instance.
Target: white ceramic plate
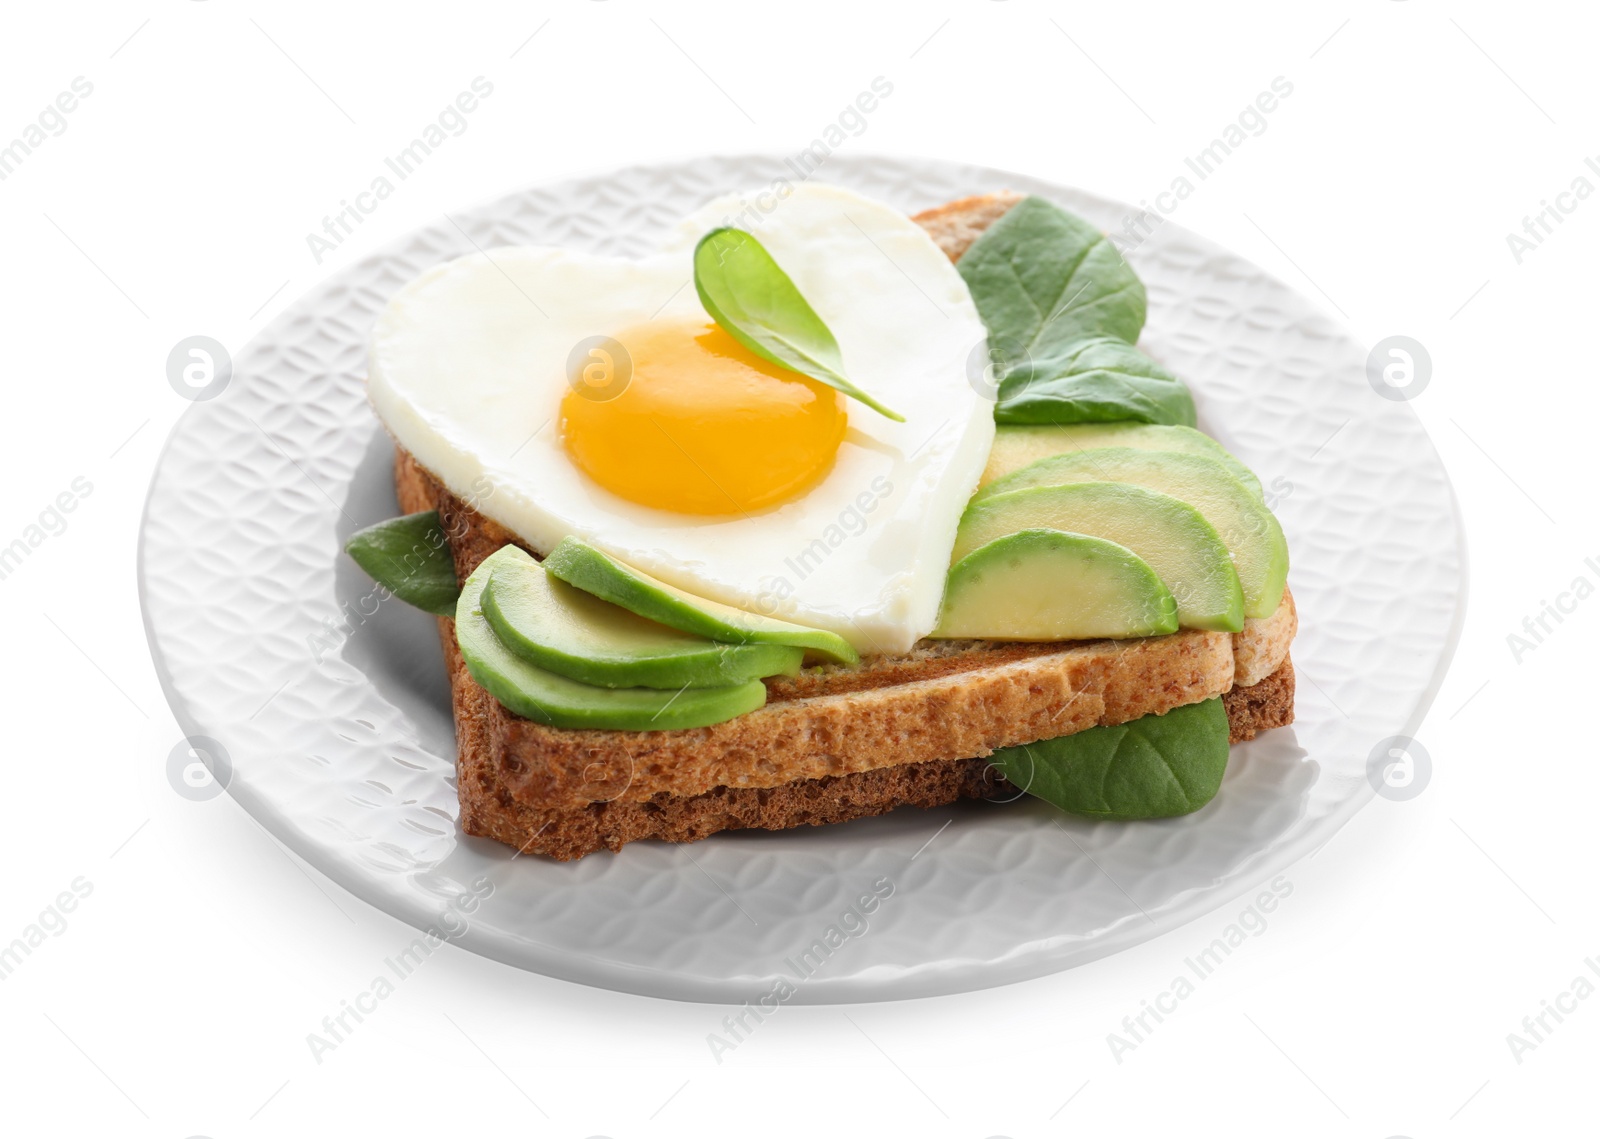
(336, 721)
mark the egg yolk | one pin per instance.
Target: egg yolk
(702, 425)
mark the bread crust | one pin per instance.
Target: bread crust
(836, 742)
(1262, 706)
(1263, 644)
(955, 225)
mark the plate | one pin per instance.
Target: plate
(327, 714)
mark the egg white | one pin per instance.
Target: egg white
(468, 367)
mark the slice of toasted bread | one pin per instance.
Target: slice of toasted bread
(831, 745)
(836, 742)
(570, 833)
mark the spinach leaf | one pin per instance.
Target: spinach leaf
(1094, 381)
(1151, 768)
(410, 557)
(1063, 310)
(1043, 278)
(756, 303)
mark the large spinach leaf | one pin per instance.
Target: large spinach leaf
(1063, 310)
(1151, 768)
(410, 557)
(1043, 278)
(757, 303)
(1097, 380)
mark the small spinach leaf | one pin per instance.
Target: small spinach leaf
(756, 303)
(410, 557)
(1151, 768)
(1097, 380)
(1043, 278)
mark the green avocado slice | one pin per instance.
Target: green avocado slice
(1246, 526)
(550, 698)
(561, 628)
(1016, 447)
(1047, 585)
(577, 563)
(1172, 536)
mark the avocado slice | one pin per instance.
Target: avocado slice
(1017, 447)
(577, 563)
(1168, 534)
(550, 698)
(1252, 534)
(559, 627)
(1047, 585)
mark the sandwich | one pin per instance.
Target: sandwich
(816, 512)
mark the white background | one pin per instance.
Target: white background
(1379, 999)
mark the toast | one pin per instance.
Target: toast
(836, 742)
